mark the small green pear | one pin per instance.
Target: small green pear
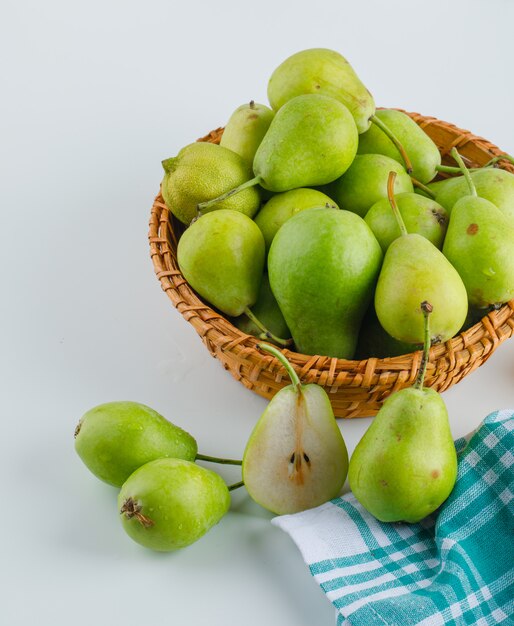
(169, 504)
(405, 465)
(480, 245)
(284, 205)
(365, 183)
(323, 265)
(221, 255)
(267, 311)
(202, 171)
(296, 457)
(422, 151)
(414, 270)
(325, 72)
(420, 215)
(492, 184)
(246, 128)
(116, 438)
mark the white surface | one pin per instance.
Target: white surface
(95, 94)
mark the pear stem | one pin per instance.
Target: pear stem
(392, 202)
(449, 169)
(399, 146)
(267, 334)
(215, 459)
(236, 485)
(277, 354)
(249, 183)
(455, 154)
(502, 157)
(427, 308)
(423, 187)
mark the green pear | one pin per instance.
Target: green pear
(420, 215)
(246, 128)
(116, 438)
(325, 72)
(221, 255)
(405, 465)
(365, 183)
(480, 245)
(413, 271)
(168, 504)
(311, 141)
(492, 184)
(323, 265)
(267, 311)
(422, 151)
(295, 458)
(284, 205)
(202, 171)
(374, 342)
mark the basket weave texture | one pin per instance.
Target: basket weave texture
(355, 388)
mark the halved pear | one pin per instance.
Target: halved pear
(296, 457)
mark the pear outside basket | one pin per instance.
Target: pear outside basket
(355, 388)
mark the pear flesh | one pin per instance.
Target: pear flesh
(311, 141)
(405, 465)
(480, 245)
(295, 458)
(422, 151)
(323, 265)
(326, 72)
(221, 255)
(246, 128)
(414, 270)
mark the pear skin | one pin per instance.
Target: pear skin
(311, 141)
(365, 182)
(246, 128)
(405, 465)
(202, 171)
(221, 255)
(323, 265)
(423, 153)
(420, 215)
(284, 205)
(414, 270)
(492, 184)
(480, 245)
(325, 72)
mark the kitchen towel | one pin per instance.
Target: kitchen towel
(454, 567)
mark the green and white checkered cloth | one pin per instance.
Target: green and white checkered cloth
(454, 567)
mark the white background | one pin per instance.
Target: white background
(93, 96)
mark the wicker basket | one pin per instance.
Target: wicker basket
(356, 388)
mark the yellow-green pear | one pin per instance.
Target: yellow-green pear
(405, 465)
(246, 128)
(326, 72)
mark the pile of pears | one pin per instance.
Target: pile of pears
(291, 234)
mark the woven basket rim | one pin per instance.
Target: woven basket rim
(475, 344)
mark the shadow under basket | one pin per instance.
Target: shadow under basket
(355, 388)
